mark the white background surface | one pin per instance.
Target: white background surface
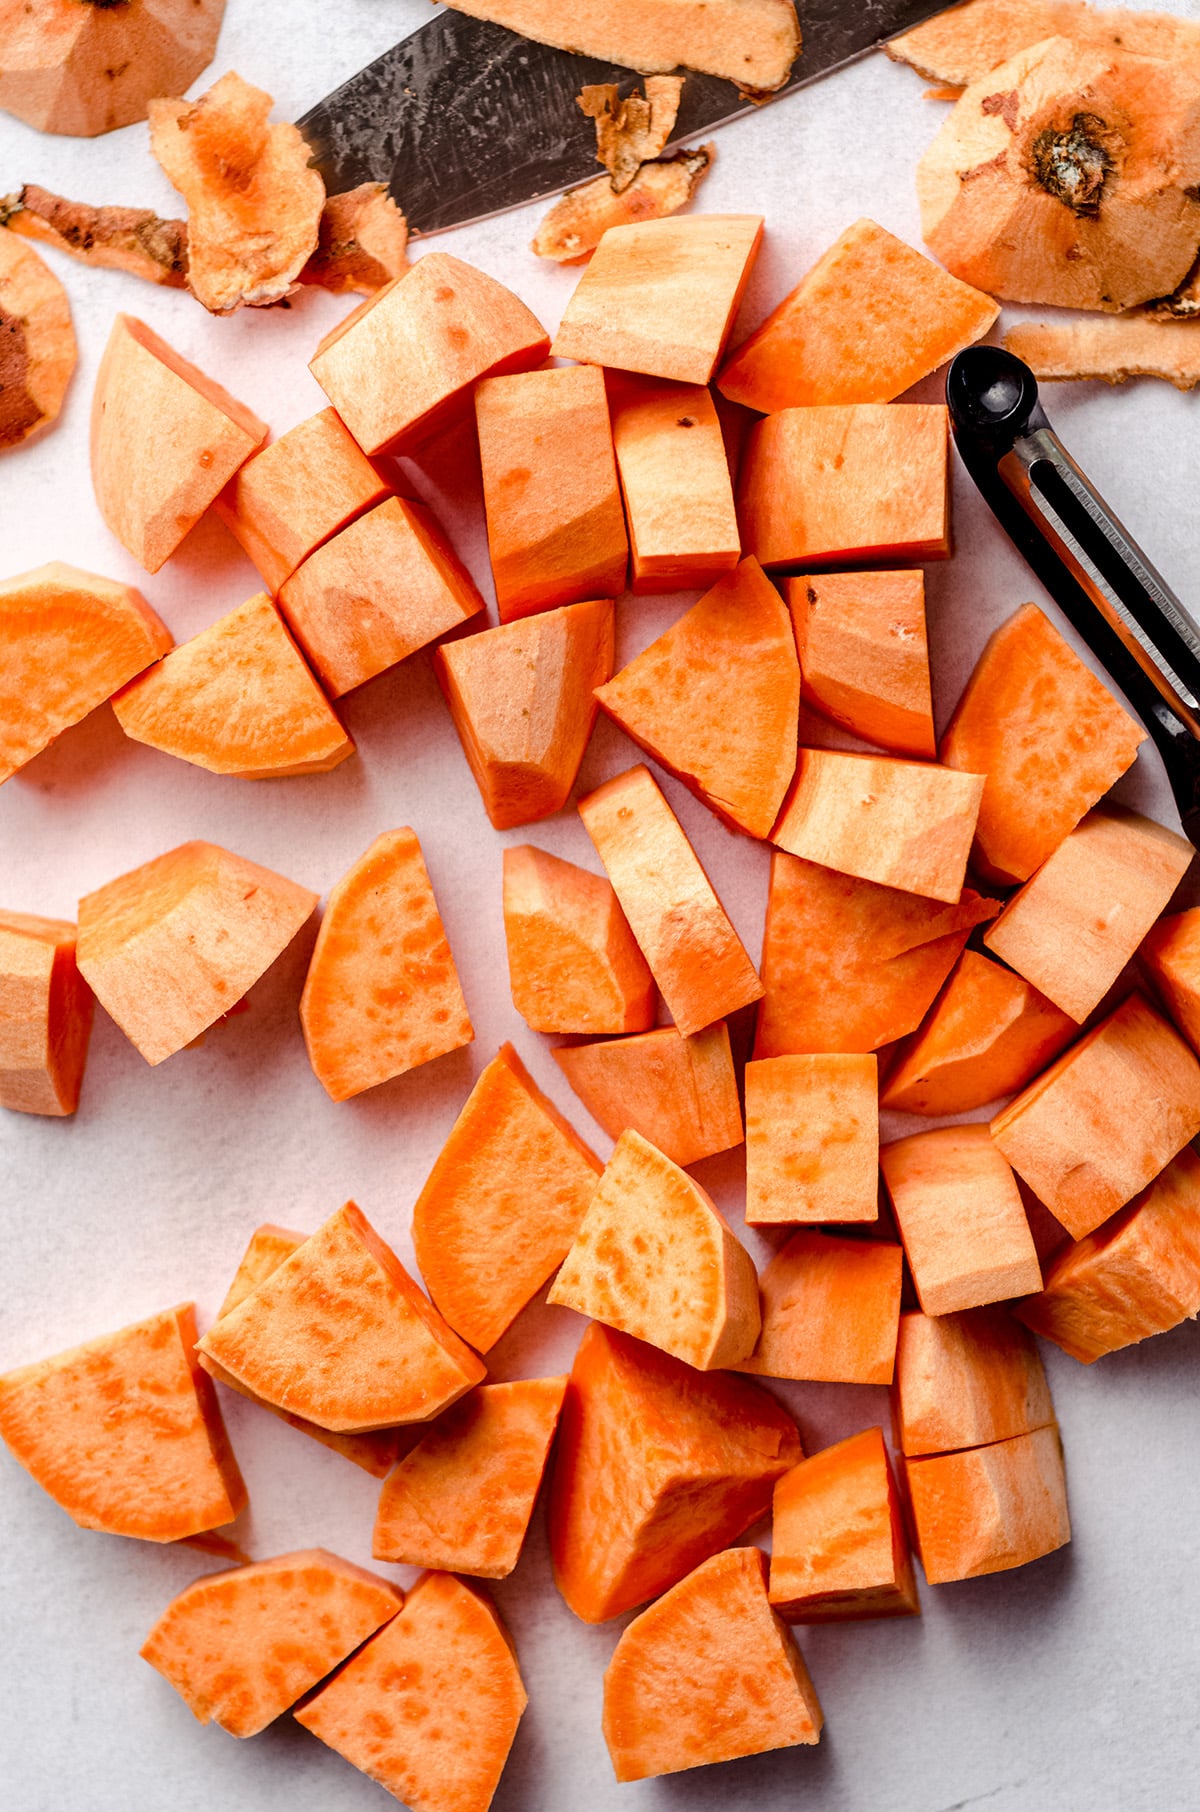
(1068, 1686)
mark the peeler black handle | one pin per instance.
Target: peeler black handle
(1090, 565)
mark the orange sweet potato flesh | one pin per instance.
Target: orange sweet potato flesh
(680, 1093)
(341, 1335)
(1106, 1118)
(573, 963)
(838, 1550)
(708, 1673)
(716, 699)
(675, 480)
(654, 1258)
(990, 1508)
(986, 1036)
(430, 1705)
(241, 1647)
(382, 994)
(968, 41)
(1049, 736)
(125, 1432)
(864, 656)
(695, 955)
(45, 1016)
(965, 1380)
(171, 946)
(237, 699)
(871, 318)
(523, 702)
(1136, 1276)
(812, 1138)
(1170, 954)
(68, 640)
(462, 1499)
(502, 1203)
(830, 1309)
(656, 1468)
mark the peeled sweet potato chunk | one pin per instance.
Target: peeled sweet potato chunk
(683, 528)
(241, 1647)
(964, 1380)
(830, 1308)
(573, 964)
(990, 1508)
(839, 1551)
(679, 1093)
(37, 341)
(1170, 954)
(812, 1138)
(45, 1016)
(864, 656)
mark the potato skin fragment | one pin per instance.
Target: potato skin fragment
(136, 240)
(634, 131)
(576, 223)
(1110, 349)
(362, 242)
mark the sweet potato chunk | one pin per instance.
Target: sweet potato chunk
(45, 1016)
(905, 824)
(657, 1467)
(522, 697)
(403, 364)
(961, 1219)
(660, 296)
(812, 1139)
(708, 1673)
(841, 483)
(654, 1258)
(716, 699)
(694, 953)
(237, 699)
(165, 441)
(839, 1551)
(502, 1203)
(1170, 955)
(578, 221)
(573, 964)
(965, 1380)
(430, 1705)
(125, 1432)
(683, 529)
(1050, 738)
(1110, 349)
(872, 318)
(990, 1508)
(830, 1309)
(340, 1334)
(37, 341)
(1105, 1119)
(241, 1647)
(382, 994)
(679, 1093)
(171, 946)
(987, 1034)
(375, 593)
(864, 655)
(463, 1497)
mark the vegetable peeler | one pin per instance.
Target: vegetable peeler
(1088, 562)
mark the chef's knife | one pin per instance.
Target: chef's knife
(465, 119)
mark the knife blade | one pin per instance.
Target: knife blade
(465, 119)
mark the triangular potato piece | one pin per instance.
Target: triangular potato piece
(680, 1093)
(573, 963)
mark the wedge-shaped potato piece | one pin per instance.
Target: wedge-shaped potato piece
(1102, 1122)
(1049, 737)
(241, 1647)
(716, 699)
(864, 656)
(654, 1258)
(430, 1705)
(375, 593)
(660, 296)
(968, 41)
(839, 1551)
(68, 641)
(237, 699)
(708, 1673)
(522, 697)
(679, 1093)
(683, 529)
(166, 440)
(502, 1203)
(991, 1508)
(657, 1467)
(340, 1334)
(965, 1380)
(573, 963)
(841, 483)
(1170, 954)
(848, 965)
(403, 364)
(40, 349)
(694, 953)
(812, 1138)
(463, 1497)
(125, 1432)
(872, 318)
(830, 1310)
(987, 1034)
(45, 1015)
(1109, 350)
(556, 530)
(905, 824)
(382, 994)
(171, 946)
(961, 1219)
(1073, 927)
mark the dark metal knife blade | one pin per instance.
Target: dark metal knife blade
(465, 119)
